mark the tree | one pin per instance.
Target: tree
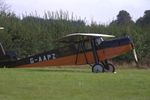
(145, 20)
(123, 18)
(3, 6)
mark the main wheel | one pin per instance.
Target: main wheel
(97, 68)
(109, 68)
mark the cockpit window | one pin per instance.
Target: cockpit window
(98, 41)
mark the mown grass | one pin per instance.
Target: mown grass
(74, 84)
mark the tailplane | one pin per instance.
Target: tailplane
(6, 57)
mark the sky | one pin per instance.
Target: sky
(101, 11)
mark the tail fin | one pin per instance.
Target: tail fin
(2, 51)
(2, 56)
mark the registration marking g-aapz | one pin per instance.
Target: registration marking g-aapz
(40, 58)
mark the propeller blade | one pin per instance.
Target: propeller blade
(135, 55)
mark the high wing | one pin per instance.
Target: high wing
(74, 36)
(90, 35)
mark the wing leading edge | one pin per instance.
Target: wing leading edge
(89, 34)
(71, 37)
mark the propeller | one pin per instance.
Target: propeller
(135, 55)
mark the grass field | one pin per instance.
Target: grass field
(74, 84)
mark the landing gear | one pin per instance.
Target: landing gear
(97, 68)
(109, 68)
(103, 67)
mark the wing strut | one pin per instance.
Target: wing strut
(82, 46)
(95, 55)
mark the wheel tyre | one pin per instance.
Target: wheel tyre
(98, 68)
(110, 68)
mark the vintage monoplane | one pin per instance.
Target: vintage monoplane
(81, 49)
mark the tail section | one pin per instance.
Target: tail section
(2, 51)
(6, 58)
(2, 56)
